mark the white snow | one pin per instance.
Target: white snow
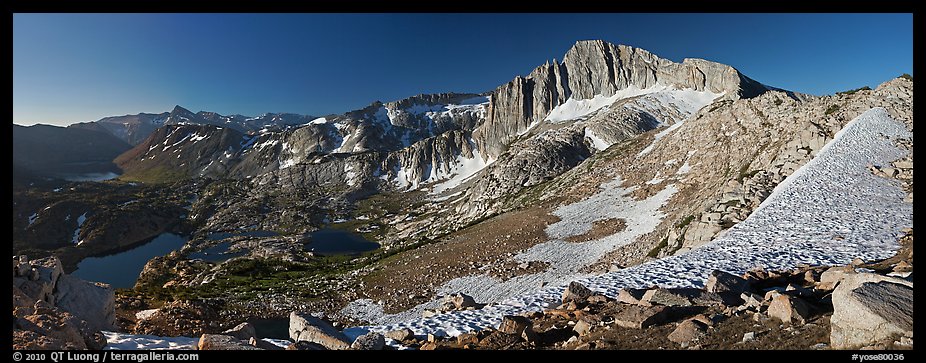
(573, 109)
(830, 211)
(80, 222)
(597, 142)
(33, 218)
(197, 137)
(121, 341)
(319, 121)
(465, 168)
(658, 136)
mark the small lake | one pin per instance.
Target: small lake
(330, 241)
(217, 253)
(121, 269)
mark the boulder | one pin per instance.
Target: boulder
(630, 296)
(222, 342)
(244, 331)
(514, 324)
(831, 277)
(789, 309)
(721, 282)
(582, 328)
(639, 317)
(467, 338)
(305, 327)
(400, 334)
(688, 331)
(682, 297)
(459, 301)
(304, 345)
(869, 308)
(369, 341)
(576, 292)
(91, 301)
(499, 340)
(751, 300)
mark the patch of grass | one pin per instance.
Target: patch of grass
(685, 221)
(778, 102)
(655, 251)
(831, 109)
(853, 91)
(155, 175)
(907, 77)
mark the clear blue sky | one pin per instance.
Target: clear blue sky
(81, 67)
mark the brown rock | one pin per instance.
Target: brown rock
(304, 345)
(513, 324)
(499, 340)
(630, 296)
(467, 338)
(789, 309)
(639, 317)
(688, 331)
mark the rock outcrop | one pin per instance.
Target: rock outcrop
(596, 67)
(870, 308)
(305, 327)
(53, 310)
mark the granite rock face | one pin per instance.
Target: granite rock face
(596, 67)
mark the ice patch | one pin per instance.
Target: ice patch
(80, 222)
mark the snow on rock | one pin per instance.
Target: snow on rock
(464, 169)
(121, 341)
(33, 218)
(830, 211)
(597, 142)
(573, 109)
(319, 121)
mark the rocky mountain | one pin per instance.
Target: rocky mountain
(51, 151)
(134, 129)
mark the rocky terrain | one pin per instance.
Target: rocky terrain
(53, 310)
(607, 160)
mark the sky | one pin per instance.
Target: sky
(82, 67)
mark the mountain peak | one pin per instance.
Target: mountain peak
(180, 110)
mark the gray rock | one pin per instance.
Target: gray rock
(222, 342)
(869, 308)
(304, 327)
(748, 337)
(369, 341)
(91, 301)
(244, 331)
(830, 278)
(682, 297)
(461, 301)
(400, 334)
(576, 292)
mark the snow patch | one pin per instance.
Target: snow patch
(319, 121)
(465, 168)
(33, 218)
(597, 142)
(121, 341)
